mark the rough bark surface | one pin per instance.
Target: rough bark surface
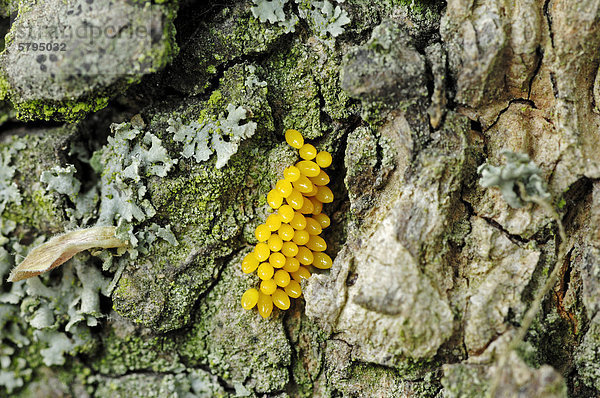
(176, 137)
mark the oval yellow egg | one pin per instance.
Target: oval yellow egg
(302, 273)
(268, 286)
(312, 226)
(317, 206)
(286, 213)
(316, 244)
(294, 138)
(293, 289)
(261, 251)
(322, 261)
(308, 168)
(277, 260)
(249, 263)
(323, 219)
(296, 200)
(307, 207)
(299, 221)
(303, 185)
(321, 179)
(291, 264)
(281, 299)
(284, 187)
(301, 237)
(324, 195)
(265, 271)
(291, 174)
(274, 199)
(265, 305)
(275, 243)
(262, 233)
(282, 278)
(273, 222)
(324, 159)
(304, 256)
(308, 152)
(289, 249)
(249, 298)
(286, 232)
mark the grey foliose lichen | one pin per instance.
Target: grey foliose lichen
(62, 180)
(519, 169)
(9, 192)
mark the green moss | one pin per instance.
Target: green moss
(69, 110)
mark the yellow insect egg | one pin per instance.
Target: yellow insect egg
(313, 192)
(275, 243)
(296, 200)
(291, 264)
(286, 213)
(301, 237)
(316, 244)
(294, 138)
(303, 185)
(282, 278)
(284, 187)
(249, 263)
(302, 273)
(286, 232)
(308, 152)
(321, 179)
(262, 233)
(322, 261)
(294, 290)
(307, 207)
(324, 195)
(323, 219)
(274, 199)
(289, 249)
(265, 305)
(249, 299)
(261, 251)
(312, 226)
(277, 260)
(291, 174)
(273, 222)
(317, 206)
(304, 256)
(308, 168)
(265, 271)
(268, 286)
(299, 221)
(324, 159)
(281, 299)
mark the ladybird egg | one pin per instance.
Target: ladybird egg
(281, 299)
(316, 244)
(249, 263)
(299, 221)
(265, 305)
(317, 206)
(323, 220)
(286, 232)
(324, 195)
(284, 187)
(274, 199)
(312, 226)
(307, 207)
(323, 159)
(303, 185)
(304, 256)
(262, 233)
(322, 261)
(313, 192)
(273, 222)
(286, 213)
(301, 237)
(261, 251)
(294, 138)
(321, 179)
(265, 271)
(289, 249)
(308, 152)
(291, 264)
(291, 174)
(277, 260)
(282, 278)
(293, 289)
(249, 299)
(296, 200)
(308, 168)
(302, 273)
(268, 286)
(275, 243)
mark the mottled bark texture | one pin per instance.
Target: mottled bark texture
(432, 273)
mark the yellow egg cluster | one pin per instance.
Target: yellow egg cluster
(289, 242)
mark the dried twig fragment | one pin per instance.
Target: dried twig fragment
(61, 248)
